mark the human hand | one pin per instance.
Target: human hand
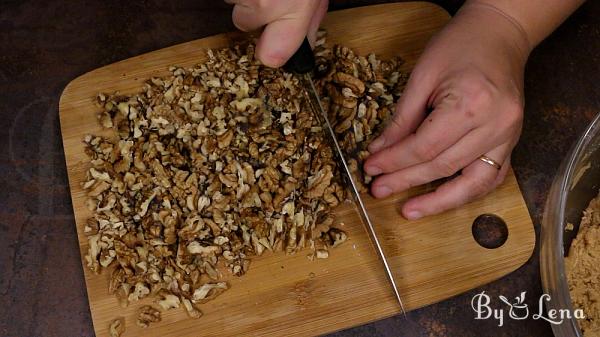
(471, 79)
(286, 24)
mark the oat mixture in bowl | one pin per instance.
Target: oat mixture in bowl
(583, 269)
(570, 241)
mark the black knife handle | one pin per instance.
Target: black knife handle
(303, 60)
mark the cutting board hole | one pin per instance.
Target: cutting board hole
(490, 231)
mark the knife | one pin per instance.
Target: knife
(303, 63)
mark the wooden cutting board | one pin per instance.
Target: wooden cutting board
(432, 259)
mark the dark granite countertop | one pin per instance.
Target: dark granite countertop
(45, 44)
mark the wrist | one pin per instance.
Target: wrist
(499, 25)
(536, 18)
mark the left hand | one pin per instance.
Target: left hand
(286, 23)
(471, 79)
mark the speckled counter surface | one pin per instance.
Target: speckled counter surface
(45, 44)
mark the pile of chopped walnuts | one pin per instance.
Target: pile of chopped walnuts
(213, 165)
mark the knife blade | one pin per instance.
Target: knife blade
(302, 63)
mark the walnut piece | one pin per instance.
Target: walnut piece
(146, 315)
(117, 327)
(191, 310)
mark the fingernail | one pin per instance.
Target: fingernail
(372, 170)
(413, 215)
(382, 191)
(377, 144)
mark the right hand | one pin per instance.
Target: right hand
(286, 23)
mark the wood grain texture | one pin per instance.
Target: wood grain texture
(432, 259)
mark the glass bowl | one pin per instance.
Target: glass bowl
(575, 185)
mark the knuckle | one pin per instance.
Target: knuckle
(262, 4)
(445, 167)
(397, 185)
(390, 161)
(399, 122)
(479, 95)
(238, 19)
(476, 92)
(484, 95)
(425, 151)
(481, 186)
(400, 183)
(514, 113)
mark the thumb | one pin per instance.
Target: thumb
(410, 111)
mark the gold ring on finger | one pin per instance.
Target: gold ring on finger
(490, 162)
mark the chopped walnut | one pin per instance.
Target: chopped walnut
(336, 237)
(146, 315)
(322, 253)
(191, 310)
(208, 291)
(168, 301)
(318, 182)
(117, 327)
(214, 165)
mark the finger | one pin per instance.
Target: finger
(410, 110)
(438, 132)
(476, 180)
(315, 21)
(452, 160)
(471, 147)
(247, 17)
(280, 40)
